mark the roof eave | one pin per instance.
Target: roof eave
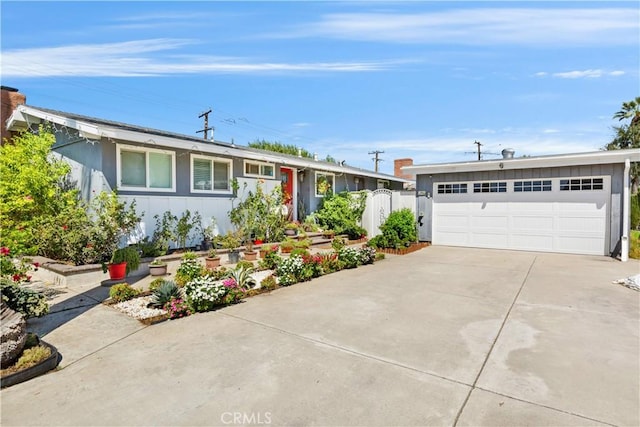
(578, 159)
(97, 132)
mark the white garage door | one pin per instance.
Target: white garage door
(569, 215)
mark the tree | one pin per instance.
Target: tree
(279, 147)
(32, 188)
(627, 135)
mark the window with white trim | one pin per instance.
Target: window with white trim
(581, 184)
(383, 183)
(210, 174)
(148, 169)
(259, 169)
(324, 183)
(489, 187)
(527, 186)
(452, 188)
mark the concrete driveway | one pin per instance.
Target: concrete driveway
(443, 336)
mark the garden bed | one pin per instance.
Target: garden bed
(414, 247)
(40, 368)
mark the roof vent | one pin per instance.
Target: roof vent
(508, 153)
(315, 156)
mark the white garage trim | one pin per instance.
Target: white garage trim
(537, 217)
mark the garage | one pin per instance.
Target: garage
(549, 215)
(571, 203)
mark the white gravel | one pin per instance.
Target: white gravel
(137, 308)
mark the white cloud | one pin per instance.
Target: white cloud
(483, 26)
(150, 58)
(581, 74)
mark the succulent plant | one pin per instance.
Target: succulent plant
(163, 294)
(243, 278)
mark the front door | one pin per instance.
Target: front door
(286, 175)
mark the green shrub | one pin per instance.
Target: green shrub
(245, 264)
(289, 270)
(26, 301)
(269, 283)
(398, 231)
(155, 283)
(123, 292)
(164, 293)
(300, 252)
(342, 213)
(338, 243)
(218, 273)
(270, 261)
(635, 211)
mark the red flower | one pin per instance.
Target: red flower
(28, 278)
(16, 277)
(4, 250)
(36, 264)
(65, 228)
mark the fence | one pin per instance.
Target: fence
(380, 203)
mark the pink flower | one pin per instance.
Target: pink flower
(4, 251)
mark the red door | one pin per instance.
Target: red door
(286, 175)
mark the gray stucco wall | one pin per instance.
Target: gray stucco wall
(615, 171)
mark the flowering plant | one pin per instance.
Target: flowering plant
(367, 255)
(289, 269)
(349, 257)
(177, 307)
(15, 269)
(204, 293)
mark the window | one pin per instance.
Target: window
(210, 174)
(324, 184)
(383, 183)
(258, 169)
(145, 169)
(525, 186)
(490, 187)
(452, 188)
(580, 184)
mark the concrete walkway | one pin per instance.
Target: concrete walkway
(443, 336)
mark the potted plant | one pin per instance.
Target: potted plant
(291, 229)
(231, 242)
(265, 249)
(209, 234)
(212, 260)
(123, 261)
(287, 246)
(157, 267)
(249, 253)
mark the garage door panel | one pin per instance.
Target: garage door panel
(550, 221)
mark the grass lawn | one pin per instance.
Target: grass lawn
(634, 245)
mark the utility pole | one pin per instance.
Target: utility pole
(206, 124)
(376, 159)
(479, 152)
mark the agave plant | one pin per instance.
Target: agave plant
(242, 276)
(163, 294)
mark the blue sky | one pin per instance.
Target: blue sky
(413, 79)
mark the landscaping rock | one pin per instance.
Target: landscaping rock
(14, 335)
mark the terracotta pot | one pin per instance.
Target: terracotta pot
(250, 255)
(285, 250)
(212, 263)
(117, 271)
(290, 232)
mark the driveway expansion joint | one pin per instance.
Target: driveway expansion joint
(347, 350)
(495, 340)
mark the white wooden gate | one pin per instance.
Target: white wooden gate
(380, 203)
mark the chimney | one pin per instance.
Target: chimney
(11, 98)
(397, 168)
(508, 153)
